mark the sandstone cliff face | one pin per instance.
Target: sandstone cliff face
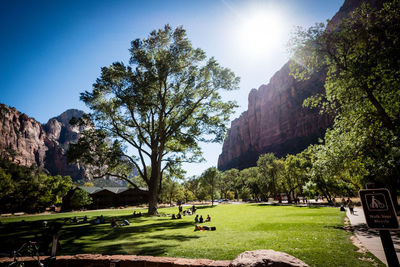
(275, 120)
(23, 135)
(28, 142)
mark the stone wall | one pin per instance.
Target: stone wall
(256, 258)
(123, 261)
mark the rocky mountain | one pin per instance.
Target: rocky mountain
(275, 120)
(26, 141)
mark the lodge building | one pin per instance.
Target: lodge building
(107, 197)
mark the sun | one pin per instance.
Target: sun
(260, 33)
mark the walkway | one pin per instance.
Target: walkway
(370, 238)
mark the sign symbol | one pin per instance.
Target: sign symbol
(376, 204)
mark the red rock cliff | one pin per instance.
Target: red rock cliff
(28, 142)
(274, 122)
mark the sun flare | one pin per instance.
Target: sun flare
(260, 33)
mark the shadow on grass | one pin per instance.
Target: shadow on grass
(73, 235)
(311, 206)
(205, 207)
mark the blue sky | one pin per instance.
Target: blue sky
(51, 51)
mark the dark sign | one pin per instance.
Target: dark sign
(378, 209)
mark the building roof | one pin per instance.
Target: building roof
(95, 189)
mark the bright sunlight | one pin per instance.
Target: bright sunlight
(261, 33)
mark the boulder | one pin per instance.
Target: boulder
(266, 257)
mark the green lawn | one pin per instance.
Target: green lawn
(315, 235)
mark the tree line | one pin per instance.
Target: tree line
(31, 189)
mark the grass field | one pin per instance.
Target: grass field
(315, 235)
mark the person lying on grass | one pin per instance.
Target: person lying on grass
(203, 228)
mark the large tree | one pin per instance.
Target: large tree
(210, 179)
(294, 175)
(270, 169)
(361, 57)
(155, 110)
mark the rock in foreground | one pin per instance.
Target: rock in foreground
(266, 257)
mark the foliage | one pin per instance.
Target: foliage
(270, 169)
(29, 189)
(210, 180)
(229, 179)
(171, 191)
(80, 199)
(161, 105)
(251, 178)
(362, 89)
(194, 189)
(294, 175)
(310, 189)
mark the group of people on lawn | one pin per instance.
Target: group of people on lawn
(197, 219)
(182, 212)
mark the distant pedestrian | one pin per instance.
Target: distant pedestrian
(351, 207)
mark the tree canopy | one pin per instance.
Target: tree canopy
(155, 110)
(362, 90)
(29, 189)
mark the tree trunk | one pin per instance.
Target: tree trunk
(154, 187)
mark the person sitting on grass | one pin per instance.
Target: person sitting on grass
(196, 219)
(179, 216)
(201, 220)
(208, 219)
(173, 217)
(96, 221)
(114, 223)
(125, 222)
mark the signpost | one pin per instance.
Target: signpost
(380, 214)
